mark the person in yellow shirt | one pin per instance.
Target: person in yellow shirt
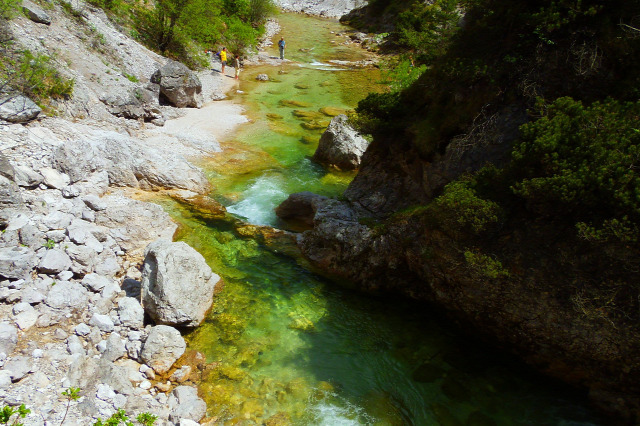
(223, 58)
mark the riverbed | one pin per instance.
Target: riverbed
(294, 348)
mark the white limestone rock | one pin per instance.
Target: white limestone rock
(177, 284)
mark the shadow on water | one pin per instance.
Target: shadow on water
(289, 343)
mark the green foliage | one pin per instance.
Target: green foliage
(426, 27)
(132, 78)
(507, 53)
(460, 208)
(8, 412)
(9, 8)
(484, 265)
(49, 245)
(239, 36)
(376, 111)
(583, 162)
(72, 394)
(35, 76)
(120, 417)
(146, 419)
(179, 27)
(401, 73)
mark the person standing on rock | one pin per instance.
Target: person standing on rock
(236, 65)
(223, 58)
(281, 44)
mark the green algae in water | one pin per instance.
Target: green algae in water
(290, 346)
(288, 115)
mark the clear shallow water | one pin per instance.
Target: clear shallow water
(291, 348)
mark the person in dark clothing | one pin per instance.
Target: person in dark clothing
(281, 44)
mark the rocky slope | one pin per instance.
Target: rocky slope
(73, 241)
(327, 8)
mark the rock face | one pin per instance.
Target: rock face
(301, 206)
(177, 284)
(127, 162)
(18, 109)
(163, 347)
(340, 145)
(179, 85)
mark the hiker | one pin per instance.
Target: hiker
(236, 65)
(281, 46)
(223, 58)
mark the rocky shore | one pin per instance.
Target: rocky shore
(73, 280)
(88, 293)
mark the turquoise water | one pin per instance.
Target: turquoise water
(288, 347)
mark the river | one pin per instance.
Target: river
(292, 348)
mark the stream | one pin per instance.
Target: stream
(290, 347)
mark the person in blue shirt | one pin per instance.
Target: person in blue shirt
(281, 46)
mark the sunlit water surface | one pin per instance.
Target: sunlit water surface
(292, 348)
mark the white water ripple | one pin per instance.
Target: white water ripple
(260, 200)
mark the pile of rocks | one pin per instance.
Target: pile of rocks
(70, 294)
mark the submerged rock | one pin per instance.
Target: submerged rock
(177, 284)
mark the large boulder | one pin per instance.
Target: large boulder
(18, 109)
(340, 145)
(139, 103)
(36, 14)
(163, 347)
(179, 85)
(177, 284)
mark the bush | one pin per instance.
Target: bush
(239, 35)
(460, 208)
(583, 162)
(484, 265)
(426, 28)
(9, 8)
(34, 76)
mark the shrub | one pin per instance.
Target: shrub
(9, 8)
(426, 27)
(484, 265)
(35, 76)
(7, 413)
(459, 208)
(583, 162)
